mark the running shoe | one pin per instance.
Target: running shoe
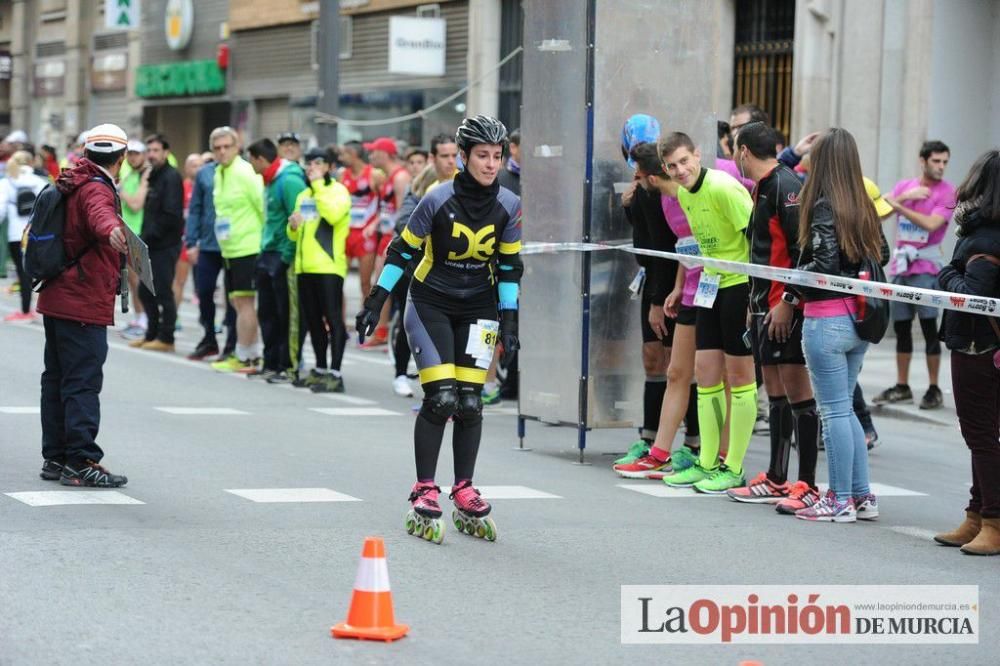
(933, 399)
(688, 477)
(866, 507)
(283, 377)
(761, 426)
(138, 343)
(328, 384)
(251, 365)
(401, 387)
(204, 349)
(159, 346)
(636, 450)
(721, 480)
(306, 381)
(51, 470)
(800, 496)
(643, 468)
(14, 288)
(134, 332)
(683, 458)
(467, 500)
(830, 510)
(424, 499)
(19, 318)
(894, 394)
(233, 364)
(491, 397)
(260, 373)
(91, 475)
(761, 490)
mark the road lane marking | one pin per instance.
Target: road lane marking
(354, 411)
(508, 492)
(908, 530)
(348, 399)
(280, 495)
(20, 410)
(202, 411)
(64, 497)
(656, 489)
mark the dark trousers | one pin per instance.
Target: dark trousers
(206, 279)
(272, 309)
(321, 298)
(401, 345)
(22, 279)
(71, 388)
(976, 383)
(861, 410)
(161, 308)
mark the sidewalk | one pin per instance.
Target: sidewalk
(879, 373)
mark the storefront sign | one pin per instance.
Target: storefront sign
(179, 23)
(121, 14)
(108, 72)
(49, 78)
(178, 79)
(416, 45)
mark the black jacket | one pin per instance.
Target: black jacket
(650, 231)
(163, 214)
(963, 330)
(823, 255)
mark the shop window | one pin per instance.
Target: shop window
(765, 31)
(429, 11)
(346, 37)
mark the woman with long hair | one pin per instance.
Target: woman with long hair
(974, 341)
(839, 229)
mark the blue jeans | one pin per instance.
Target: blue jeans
(834, 354)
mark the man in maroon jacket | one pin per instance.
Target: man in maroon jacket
(78, 306)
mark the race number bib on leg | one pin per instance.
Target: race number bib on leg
(708, 289)
(482, 340)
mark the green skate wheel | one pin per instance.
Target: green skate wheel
(438, 533)
(429, 532)
(459, 525)
(480, 531)
(410, 526)
(491, 530)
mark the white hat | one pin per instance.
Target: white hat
(136, 146)
(105, 138)
(17, 136)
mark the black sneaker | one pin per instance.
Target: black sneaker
(261, 373)
(328, 384)
(51, 470)
(933, 399)
(307, 380)
(91, 475)
(204, 349)
(894, 394)
(283, 377)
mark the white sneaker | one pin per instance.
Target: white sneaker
(401, 387)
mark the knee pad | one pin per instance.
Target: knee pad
(470, 406)
(440, 405)
(930, 330)
(904, 336)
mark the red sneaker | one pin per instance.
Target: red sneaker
(760, 490)
(801, 496)
(643, 468)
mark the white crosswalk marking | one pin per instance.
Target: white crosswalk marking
(507, 492)
(276, 495)
(64, 497)
(884, 490)
(354, 411)
(908, 530)
(202, 411)
(20, 410)
(348, 399)
(661, 490)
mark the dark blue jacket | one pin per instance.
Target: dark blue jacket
(201, 211)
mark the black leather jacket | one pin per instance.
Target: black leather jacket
(964, 331)
(823, 255)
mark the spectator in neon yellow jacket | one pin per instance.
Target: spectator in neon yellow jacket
(319, 226)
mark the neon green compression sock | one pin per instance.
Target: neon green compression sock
(741, 422)
(711, 421)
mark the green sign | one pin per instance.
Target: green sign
(179, 79)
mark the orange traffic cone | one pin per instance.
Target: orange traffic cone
(370, 615)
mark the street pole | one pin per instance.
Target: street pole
(329, 68)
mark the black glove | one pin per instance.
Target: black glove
(367, 319)
(508, 336)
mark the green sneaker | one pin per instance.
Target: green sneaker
(636, 450)
(721, 480)
(233, 364)
(682, 459)
(307, 381)
(491, 397)
(688, 477)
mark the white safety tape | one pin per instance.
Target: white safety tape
(854, 286)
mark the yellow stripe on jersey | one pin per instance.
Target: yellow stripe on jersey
(470, 375)
(411, 238)
(424, 267)
(437, 372)
(510, 248)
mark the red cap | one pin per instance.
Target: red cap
(382, 143)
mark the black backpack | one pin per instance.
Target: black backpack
(45, 255)
(871, 321)
(25, 201)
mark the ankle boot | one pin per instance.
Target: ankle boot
(987, 542)
(965, 532)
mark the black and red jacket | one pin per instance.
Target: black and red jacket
(774, 233)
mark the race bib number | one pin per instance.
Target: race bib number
(911, 233)
(223, 229)
(482, 340)
(308, 209)
(708, 289)
(358, 217)
(688, 246)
